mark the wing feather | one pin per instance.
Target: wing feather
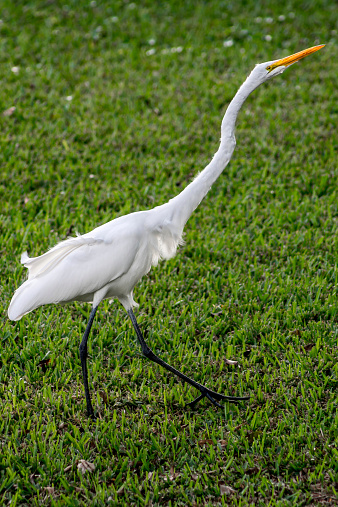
(41, 265)
(74, 268)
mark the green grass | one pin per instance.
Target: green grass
(256, 281)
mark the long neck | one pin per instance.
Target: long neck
(184, 204)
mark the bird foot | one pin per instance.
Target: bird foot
(213, 396)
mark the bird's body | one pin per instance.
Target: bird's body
(104, 263)
(109, 261)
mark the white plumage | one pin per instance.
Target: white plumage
(108, 261)
(105, 263)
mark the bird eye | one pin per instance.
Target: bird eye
(269, 68)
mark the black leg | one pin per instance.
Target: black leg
(211, 395)
(83, 357)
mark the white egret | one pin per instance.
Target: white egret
(108, 261)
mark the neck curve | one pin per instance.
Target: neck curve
(183, 205)
(230, 117)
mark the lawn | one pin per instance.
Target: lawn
(112, 107)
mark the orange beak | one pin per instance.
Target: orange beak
(289, 60)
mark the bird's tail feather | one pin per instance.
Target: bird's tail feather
(26, 298)
(36, 291)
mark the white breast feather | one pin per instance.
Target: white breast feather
(167, 238)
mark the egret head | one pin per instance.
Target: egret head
(265, 71)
